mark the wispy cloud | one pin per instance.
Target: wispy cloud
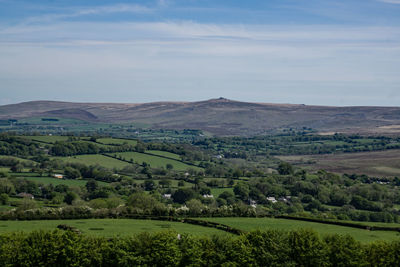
(390, 1)
(169, 57)
(81, 11)
(186, 30)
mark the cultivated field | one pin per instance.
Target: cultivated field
(378, 163)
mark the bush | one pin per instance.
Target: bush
(4, 199)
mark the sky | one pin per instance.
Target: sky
(332, 52)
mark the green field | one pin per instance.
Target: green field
(116, 141)
(126, 227)
(218, 191)
(249, 224)
(101, 160)
(109, 227)
(56, 181)
(164, 154)
(155, 161)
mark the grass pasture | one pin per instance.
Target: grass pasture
(249, 224)
(109, 227)
(376, 163)
(56, 181)
(126, 227)
(116, 141)
(96, 159)
(155, 161)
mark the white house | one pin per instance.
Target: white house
(167, 196)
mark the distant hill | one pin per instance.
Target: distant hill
(220, 116)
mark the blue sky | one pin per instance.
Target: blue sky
(288, 51)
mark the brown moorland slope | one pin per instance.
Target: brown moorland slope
(220, 116)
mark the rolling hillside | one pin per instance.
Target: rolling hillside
(219, 116)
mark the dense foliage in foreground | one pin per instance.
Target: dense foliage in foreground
(271, 248)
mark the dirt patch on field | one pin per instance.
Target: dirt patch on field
(378, 163)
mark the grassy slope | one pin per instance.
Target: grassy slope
(112, 227)
(249, 224)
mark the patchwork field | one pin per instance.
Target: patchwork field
(249, 224)
(155, 161)
(378, 163)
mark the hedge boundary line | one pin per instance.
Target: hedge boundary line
(165, 157)
(219, 226)
(153, 155)
(339, 223)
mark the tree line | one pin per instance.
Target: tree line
(267, 248)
